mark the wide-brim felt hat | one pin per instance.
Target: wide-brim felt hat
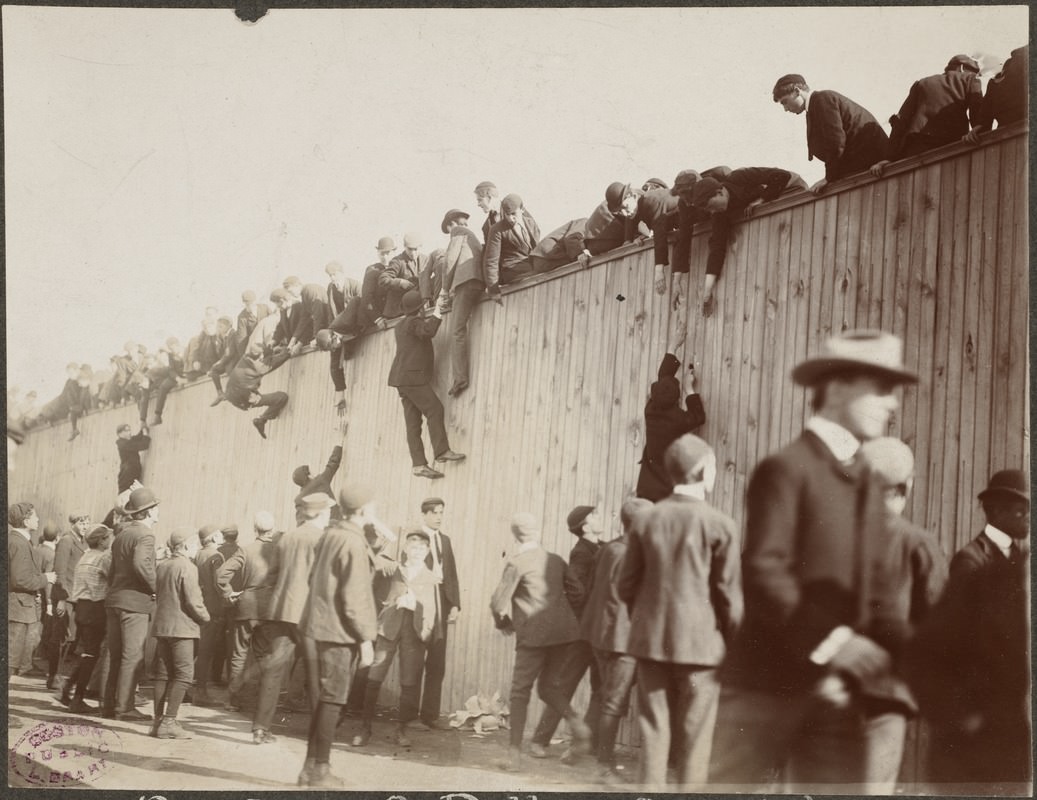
(411, 301)
(1010, 482)
(868, 352)
(140, 500)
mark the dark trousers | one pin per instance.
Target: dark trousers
(418, 401)
(275, 403)
(618, 672)
(90, 637)
(273, 643)
(466, 300)
(336, 664)
(208, 641)
(173, 674)
(435, 671)
(412, 657)
(165, 386)
(127, 634)
(800, 743)
(241, 639)
(539, 665)
(676, 702)
(579, 659)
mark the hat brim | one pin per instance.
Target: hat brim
(814, 370)
(1004, 490)
(142, 508)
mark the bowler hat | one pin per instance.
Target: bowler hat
(703, 190)
(786, 83)
(685, 179)
(18, 513)
(386, 244)
(962, 61)
(510, 204)
(301, 476)
(889, 458)
(576, 517)
(411, 301)
(141, 500)
(655, 183)
(614, 196)
(868, 352)
(683, 457)
(354, 495)
(1011, 482)
(313, 504)
(451, 215)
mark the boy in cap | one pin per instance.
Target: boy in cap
(729, 199)
(408, 622)
(508, 246)
(401, 275)
(312, 484)
(844, 135)
(811, 508)
(130, 603)
(666, 421)
(487, 197)
(606, 626)
(530, 603)
(938, 110)
(969, 663)
(130, 447)
(179, 609)
(412, 373)
(243, 388)
(464, 284)
(372, 295)
(586, 524)
(26, 580)
(681, 580)
(88, 590)
(647, 214)
(340, 619)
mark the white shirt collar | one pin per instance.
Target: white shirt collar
(696, 490)
(999, 538)
(525, 547)
(836, 438)
(432, 532)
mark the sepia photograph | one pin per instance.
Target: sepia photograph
(500, 402)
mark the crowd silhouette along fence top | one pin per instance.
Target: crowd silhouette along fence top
(935, 252)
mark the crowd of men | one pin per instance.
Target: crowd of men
(790, 656)
(939, 110)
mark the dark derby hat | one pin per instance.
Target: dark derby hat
(451, 215)
(141, 500)
(1007, 482)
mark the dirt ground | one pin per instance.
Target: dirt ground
(95, 753)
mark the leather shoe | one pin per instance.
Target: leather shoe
(261, 736)
(426, 472)
(260, 425)
(79, 707)
(171, 729)
(450, 455)
(361, 739)
(434, 725)
(133, 716)
(537, 750)
(400, 737)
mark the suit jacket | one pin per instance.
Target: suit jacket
(132, 576)
(975, 556)
(423, 618)
(745, 186)
(507, 249)
(581, 568)
(337, 299)
(25, 579)
(340, 604)
(657, 209)
(69, 550)
(450, 588)
(179, 607)
(463, 260)
(372, 295)
(492, 219)
(244, 379)
(295, 554)
(603, 230)
(938, 110)
(46, 558)
(398, 278)
(314, 316)
(289, 321)
(247, 322)
(1007, 94)
(130, 468)
(256, 565)
(321, 484)
(682, 581)
(843, 134)
(606, 621)
(414, 363)
(665, 422)
(807, 518)
(209, 560)
(530, 600)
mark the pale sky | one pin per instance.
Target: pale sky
(160, 161)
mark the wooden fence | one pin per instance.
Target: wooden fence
(935, 251)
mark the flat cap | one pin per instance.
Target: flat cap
(574, 522)
(510, 204)
(18, 513)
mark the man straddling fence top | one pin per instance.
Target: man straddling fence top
(844, 135)
(805, 645)
(243, 388)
